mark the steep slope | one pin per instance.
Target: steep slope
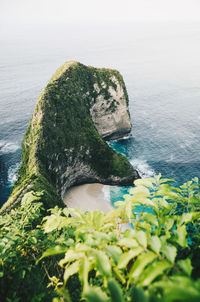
(63, 145)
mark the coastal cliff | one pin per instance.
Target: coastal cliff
(64, 145)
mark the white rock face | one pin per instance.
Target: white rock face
(111, 116)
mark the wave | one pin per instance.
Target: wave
(8, 147)
(106, 193)
(12, 173)
(143, 168)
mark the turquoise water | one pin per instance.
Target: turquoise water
(160, 64)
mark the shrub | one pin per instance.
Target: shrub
(124, 256)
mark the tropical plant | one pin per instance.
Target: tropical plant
(22, 241)
(140, 251)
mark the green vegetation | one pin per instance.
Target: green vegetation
(62, 135)
(120, 256)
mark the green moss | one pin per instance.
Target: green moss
(61, 131)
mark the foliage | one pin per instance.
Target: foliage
(22, 242)
(122, 256)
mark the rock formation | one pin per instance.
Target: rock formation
(63, 145)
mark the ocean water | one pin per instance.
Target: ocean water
(160, 64)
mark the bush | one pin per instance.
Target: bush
(146, 249)
(123, 256)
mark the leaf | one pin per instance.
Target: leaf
(153, 271)
(53, 251)
(179, 288)
(115, 291)
(71, 270)
(70, 256)
(169, 222)
(98, 219)
(95, 294)
(141, 262)
(155, 243)
(128, 210)
(148, 182)
(128, 242)
(84, 268)
(120, 275)
(150, 218)
(163, 180)
(170, 251)
(185, 218)
(186, 266)
(181, 236)
(55, 222)
(142, 238)
(138, 295)
(103, 264)
(113, 251)
(126, 257)
(77, 213)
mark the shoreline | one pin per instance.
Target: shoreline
(87, 197)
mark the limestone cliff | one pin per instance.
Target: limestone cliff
(63, 145)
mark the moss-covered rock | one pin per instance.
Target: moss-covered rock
(62, 146)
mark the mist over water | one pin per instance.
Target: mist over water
(160, 64)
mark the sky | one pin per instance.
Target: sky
(93, 11)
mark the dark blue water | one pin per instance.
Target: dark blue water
(160, 64)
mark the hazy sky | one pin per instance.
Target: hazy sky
(101, 11)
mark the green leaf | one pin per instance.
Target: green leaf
(1, 274)
(181, 236)
(150, 218)
(142, 238)
(103, 264)
(169, 222)
(186, 266)
(153, 271)
(155, 243)
(119, 274)
(84, 268)
(179, 288)
(71, 270)
(77, 213)
(128, 210)
(98, 219)
(113, 251)
(70, 256)
(141, 262)
(115, 291)
(163, 180)
(95, 294)
(126, 257)
(55, 222)
(53, 251)
(170, 251)
(138, 295)
(128, 242)
(185, 218)
(148, 182)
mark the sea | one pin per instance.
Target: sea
(160, 64)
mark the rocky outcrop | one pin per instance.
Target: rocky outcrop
(111, 116)
(63, 145)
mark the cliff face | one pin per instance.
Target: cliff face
(63, 145)
(110, 115)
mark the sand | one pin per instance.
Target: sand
(87, 197)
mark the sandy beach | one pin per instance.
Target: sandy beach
(87, 197)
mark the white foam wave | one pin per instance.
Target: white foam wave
(119, 139)
(106, 193)
(143, 168)
(12, 173)
(8, 147)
